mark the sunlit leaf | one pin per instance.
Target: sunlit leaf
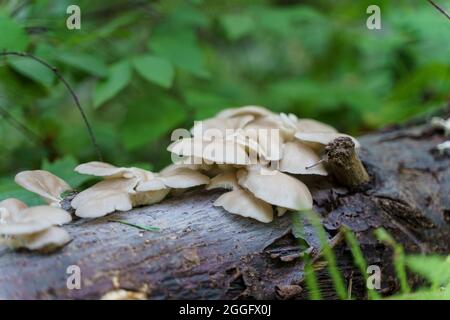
(32, 70)
(155, 69)
(64, 168)
(13, 37)
(85, 62)
(119, 76)
(237, 25)
(150, 118)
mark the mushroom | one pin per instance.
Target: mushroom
(300, 159)
(179, 178)
(215, 151)
(275, 187)
(239, 201)
(105, 197)
(43, 183)
(106, 170)
(255, 111)
(226, 180)
(125, 188)
(318, 140)
(243, 203)
(311, 125)
(219, 127)
(32, 228)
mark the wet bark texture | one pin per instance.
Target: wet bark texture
(203, 252)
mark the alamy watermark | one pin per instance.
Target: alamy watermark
(73, 22)
(374, 20)
(73, 281)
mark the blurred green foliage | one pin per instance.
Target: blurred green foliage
(143, 68)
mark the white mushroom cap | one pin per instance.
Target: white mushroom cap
(218, 150)
(311, 125)
(179, 178)
(148, 197)
(11, 207)
(271, 122)
(297, 156)
(256, 111)
(243, 203)
(35, 219)
(103, 169)
(322, 138)
(48, 239)
(43, 183)
(219, 127)
(183, 178)
(105, 197)
(226, 180)
(276, 188)
(187, 162)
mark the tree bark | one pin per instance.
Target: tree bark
(203, 252)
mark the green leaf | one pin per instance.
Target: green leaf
(119, 77)
(148, 119)
(137, 226)
(9, 189)
(32, 70)
(237, 26)
(13, 37)
(85, 62)
(434, 268)
(179, 46)
(63, 168)
(155, 69)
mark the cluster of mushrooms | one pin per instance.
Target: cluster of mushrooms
(231, 151)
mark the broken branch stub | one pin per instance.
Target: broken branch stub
(344, 164)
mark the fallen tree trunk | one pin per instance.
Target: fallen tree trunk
(203, 252)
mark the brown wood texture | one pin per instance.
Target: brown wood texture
(203, 252)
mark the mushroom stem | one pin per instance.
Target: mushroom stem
(343, 162)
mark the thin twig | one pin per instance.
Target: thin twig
(442, 10)
(20, 126)
(68, 87)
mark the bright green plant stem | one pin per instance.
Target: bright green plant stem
(328, 254)
(399, 258)
(359, 260)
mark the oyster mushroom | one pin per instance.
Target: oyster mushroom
(177, 178)
(216, 151)
(243, 203)
(255, 111)
(32, 228)
(125, 188)
(239, 201)
(311, 125)
(105, 197)
(219, 127)
(43, 183)
(300, 159)
(321, 139)
(275, 187)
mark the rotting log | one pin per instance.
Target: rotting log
(203, 252)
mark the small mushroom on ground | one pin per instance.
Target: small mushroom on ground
(33, 228)
(43, 183)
